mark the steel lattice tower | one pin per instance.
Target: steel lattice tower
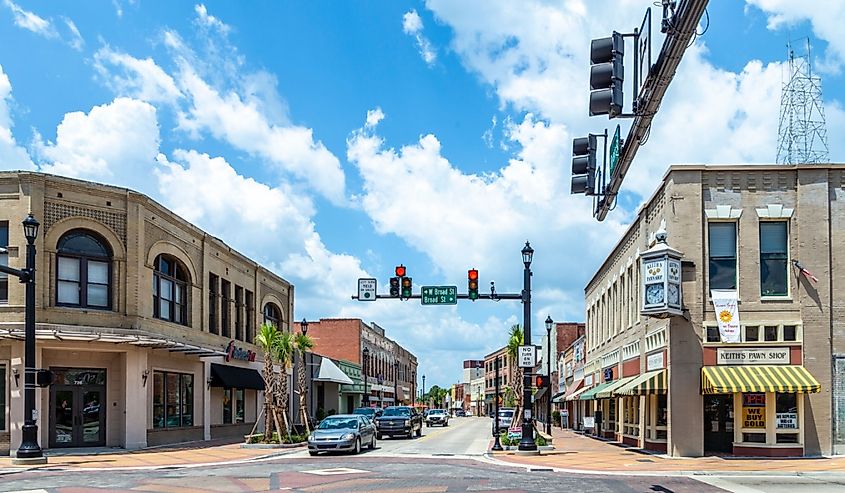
(802, 131)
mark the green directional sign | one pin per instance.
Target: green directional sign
(614, 151)
(439, 295)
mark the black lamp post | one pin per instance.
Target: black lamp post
(527, 441)
(29, 450)
(422, 396)
(496, 444)
(549, 324)
(366, 353)
(395, 382)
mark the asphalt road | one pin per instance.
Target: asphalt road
(443, 460)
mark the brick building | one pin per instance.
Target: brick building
(563, 335)
(505, 377)
(677, 384)
(391, 369)
(146, 321)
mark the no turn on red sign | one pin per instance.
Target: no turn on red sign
(527, 356)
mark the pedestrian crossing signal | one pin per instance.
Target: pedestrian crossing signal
(541, 381)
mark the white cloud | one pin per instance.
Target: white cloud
(241, 123)
(115, 143)
(134, 77)
(412, 25)
(278, 219)
(76, 42)
(31, 21)
(374, 117)
(208, 20)
(12, 156)
(826, 17)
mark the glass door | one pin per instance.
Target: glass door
(77, 417)
(718, 423)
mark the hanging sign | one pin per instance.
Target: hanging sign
(233, 352)
(727, 314)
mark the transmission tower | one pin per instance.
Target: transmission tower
(802, 131)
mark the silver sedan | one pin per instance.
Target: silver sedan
(342, 433)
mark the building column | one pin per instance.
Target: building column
(138, 391)
(206, 400)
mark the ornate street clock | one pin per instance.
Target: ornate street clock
(661, 279)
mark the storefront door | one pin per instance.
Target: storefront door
(718, 423)
(78, 416)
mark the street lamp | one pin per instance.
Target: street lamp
(549, 324)
(422, 395)
(29, 449)
(366, 363)
(304, 325)
(527, 441)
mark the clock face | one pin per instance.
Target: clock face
(654, 294)
(673, 293)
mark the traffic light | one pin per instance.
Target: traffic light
(400, 270)
(541, 381)
(407, 286)
(472, 284)
(394, 287)
(584, 165)
(607, 73)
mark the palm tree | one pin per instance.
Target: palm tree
(267, 338)
(516, 338)
(284, 357)
(302, 343)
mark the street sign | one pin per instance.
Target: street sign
(366, 289)
(614, 151)
(439, 295)
(527, 356)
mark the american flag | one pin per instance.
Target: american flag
(805, 271)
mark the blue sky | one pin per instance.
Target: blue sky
(348, 137)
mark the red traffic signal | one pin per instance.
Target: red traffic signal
(400, 270)
(541, 381)
(472, 284)
(472, 274)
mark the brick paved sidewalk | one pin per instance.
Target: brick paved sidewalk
(574, 451)
(194, 453)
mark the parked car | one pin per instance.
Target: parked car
(342, 432)
(460, 413)
(399, 420)
(437, 417)
(505, 419)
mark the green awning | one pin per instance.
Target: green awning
(653, 382)
(591, 394)
(606, 392)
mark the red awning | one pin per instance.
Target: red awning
(576, 385)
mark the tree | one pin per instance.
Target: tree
(284, 357)
(302, 343)
(268, 338)
(516, 338)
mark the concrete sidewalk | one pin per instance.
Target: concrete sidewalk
(578, 453)
(180, 455)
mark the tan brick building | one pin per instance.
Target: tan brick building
(146, 320)
(391, 369)
(505, 376)
(673, 384)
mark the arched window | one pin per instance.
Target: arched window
(272, 315)
(170, 290)
(83, 275)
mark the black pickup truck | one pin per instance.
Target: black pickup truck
(399, 421)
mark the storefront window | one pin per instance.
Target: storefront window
(771, 333)
(789, 333)
(173, 400)
(754, 437)
(239, 405)
(786, 417)
(662, 414)
(227, 405)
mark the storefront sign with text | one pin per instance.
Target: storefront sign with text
(753, 417)
(752, 356)
(787, 420)
(242, 354)
(654, 361)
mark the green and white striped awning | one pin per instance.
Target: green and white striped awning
(653, 382)
(607, 392)
(591, 393)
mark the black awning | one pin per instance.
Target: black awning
(235, 377)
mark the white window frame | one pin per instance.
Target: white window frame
(778, 297)
(735, 222)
